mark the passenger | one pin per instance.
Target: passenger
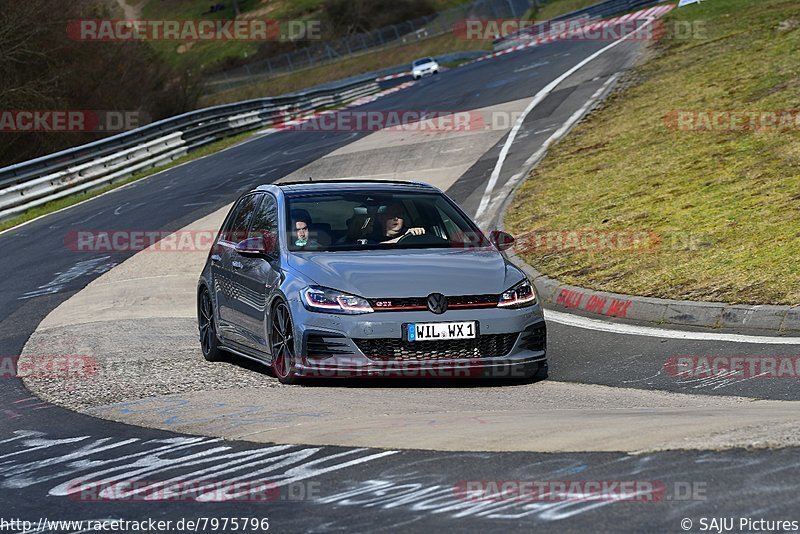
(393, 224)
(301, 232)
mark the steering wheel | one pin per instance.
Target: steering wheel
(424, 239)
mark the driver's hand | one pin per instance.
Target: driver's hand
(415, 231)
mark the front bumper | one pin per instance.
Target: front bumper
(423, 72)
(511, 343)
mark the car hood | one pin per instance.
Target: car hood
(409, 272)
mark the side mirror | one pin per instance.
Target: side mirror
(468, 239)
(258, 246)
(501, 240)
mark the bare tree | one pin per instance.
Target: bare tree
(42, 69)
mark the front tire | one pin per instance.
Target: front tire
(209, 343)
(282, 345)
(539, 374)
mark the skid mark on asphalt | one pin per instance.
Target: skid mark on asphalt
(172, 412)
(688, 483)
(22, 407)
(94, 266)
(64, 465)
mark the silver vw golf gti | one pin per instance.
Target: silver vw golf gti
(368, 278)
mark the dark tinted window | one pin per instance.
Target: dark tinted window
(239, 223)
(266, 218)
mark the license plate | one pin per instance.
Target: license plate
(441, 331)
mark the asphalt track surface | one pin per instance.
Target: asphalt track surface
(43, 447)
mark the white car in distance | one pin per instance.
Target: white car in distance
(423, 67)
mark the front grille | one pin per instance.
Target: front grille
(399, 304)
(421, 303)
(535, 337)
(472, 301)
(484, 346)
(326, 346)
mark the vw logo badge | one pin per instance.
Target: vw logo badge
(437, 303)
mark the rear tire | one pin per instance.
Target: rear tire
(209, 343)
(282, 345)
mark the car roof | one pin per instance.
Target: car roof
(352, 186)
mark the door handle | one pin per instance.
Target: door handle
(237, 264)
(216, 257)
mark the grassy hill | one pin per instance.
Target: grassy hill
(201, 56)
(724, 199)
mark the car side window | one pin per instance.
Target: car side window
(236, 229)
(265, 220)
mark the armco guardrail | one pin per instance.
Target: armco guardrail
(26, 185)
(605, 9)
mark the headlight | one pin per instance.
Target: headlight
(321, 299)
(519, 296)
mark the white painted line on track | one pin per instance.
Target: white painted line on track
(578, 321)
(539, 154)
(537, 99)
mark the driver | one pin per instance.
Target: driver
(393, 225)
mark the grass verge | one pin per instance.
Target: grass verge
(377, 60)
(62, 203)
(555, 8)
(725, 202)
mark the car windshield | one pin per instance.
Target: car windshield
(422, 61)
(364, 221)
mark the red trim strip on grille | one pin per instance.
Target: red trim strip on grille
(396, 308)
